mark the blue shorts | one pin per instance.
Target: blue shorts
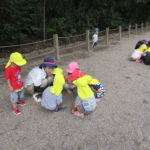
(15, 96)
(86, 106)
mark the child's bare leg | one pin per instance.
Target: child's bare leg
(77, 111)
(138, 61)
(14, 105)
(74, 108)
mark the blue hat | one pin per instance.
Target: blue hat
(48, 62)
(96, 29)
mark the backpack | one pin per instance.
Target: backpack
(139, 43)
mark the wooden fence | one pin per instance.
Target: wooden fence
(58, 47)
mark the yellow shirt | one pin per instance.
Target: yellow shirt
(142, 48)
(83, 89)
(58, 82)
(148, 49)
(91, 81)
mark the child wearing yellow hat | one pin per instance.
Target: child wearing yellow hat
(85, 102)
(15, 81)
(52, 95)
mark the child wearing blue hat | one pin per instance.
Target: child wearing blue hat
(95, 39)
(39, 78)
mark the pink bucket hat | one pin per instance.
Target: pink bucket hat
(72, 66)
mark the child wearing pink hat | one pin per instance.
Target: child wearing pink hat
(73, 73)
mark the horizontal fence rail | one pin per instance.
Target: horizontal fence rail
(59, 47)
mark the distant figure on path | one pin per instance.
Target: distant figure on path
(95, 39)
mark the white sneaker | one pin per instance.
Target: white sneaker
(37, 97)
(98, 99)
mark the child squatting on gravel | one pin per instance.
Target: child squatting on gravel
(139, 50)
(52, 96)
(15, 81)
(85, 102)
(73, 72)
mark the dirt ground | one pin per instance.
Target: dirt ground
(121, 120)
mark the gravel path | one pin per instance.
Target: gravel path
(121, 120)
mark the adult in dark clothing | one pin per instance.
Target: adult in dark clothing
(146, 58)
(146, 55)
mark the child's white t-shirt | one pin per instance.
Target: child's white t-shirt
(136, 54)
(35, 76)
(95, 38)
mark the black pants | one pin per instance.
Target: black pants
(38, 89)
(146, 59)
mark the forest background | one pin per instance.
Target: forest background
(24, 21)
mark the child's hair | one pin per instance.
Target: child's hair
(139, 43)
(148, 44)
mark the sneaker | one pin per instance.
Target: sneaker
(98, 99)
(37, 97)
(16, 111)
(55, 110)
(61, 108)
(21, 103)
(58, 109)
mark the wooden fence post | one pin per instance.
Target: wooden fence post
(147, 28)
(107, 36)
(129, 30)
(135, 29)
(88, 41)
(142, 27)
(56, 46)
(120, 34)
(44, 29)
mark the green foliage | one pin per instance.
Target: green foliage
(23, 19)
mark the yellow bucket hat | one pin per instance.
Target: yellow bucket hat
(16, 58)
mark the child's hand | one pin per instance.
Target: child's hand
(99, 91)
(71, 86)
(144, 54)
(66, 78)
(9, 85)
(11, 88)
